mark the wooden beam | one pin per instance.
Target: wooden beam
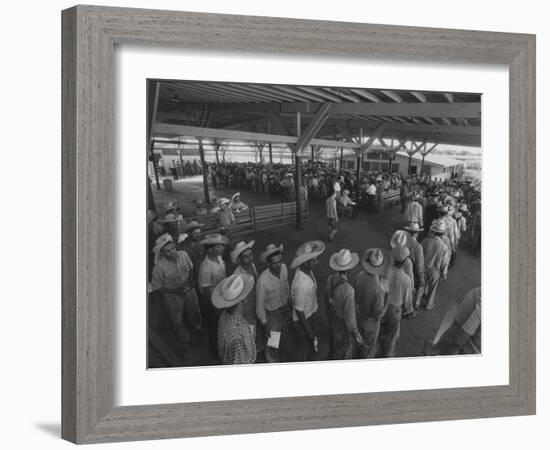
(450, 110)
(419, 96)
(375, 135)
(164, 129)
(315, 125)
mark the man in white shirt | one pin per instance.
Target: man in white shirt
(304, 300)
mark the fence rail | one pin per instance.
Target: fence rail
(257, 218)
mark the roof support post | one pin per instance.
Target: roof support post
(424, 153)
(204, 173)
(152, 120)
(298, 183)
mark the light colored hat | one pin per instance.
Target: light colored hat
(182, 237)
(415, 196)
(463, 207)
(399, 239)
(270, 250)
(170, 205)
(443, 208)
(161, 242)
(306, 251)
(375, 261)
(223, 201)
(232, 290)
(239, 248)
(168, 218)
(400, 253)
(346, 192)
(413, 227)
(214, 239)
(192, 225)
(456, 194)
(438, 226)
(235, 195)
(343, 260)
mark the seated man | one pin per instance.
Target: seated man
(347, 204)
(236, 205)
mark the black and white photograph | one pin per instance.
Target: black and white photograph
(308, 223)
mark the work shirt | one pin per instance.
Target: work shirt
(211, 273)
(452, 231)
(435, 253)
(171, 274)
(417, 257)
(399, 288)
(331, 208)
(342, 298)
(345, 200)
(371, 190)
(370, 296)
(413, 213)
(304, 294)
(225, 217)
(236, 343)
(272, 292)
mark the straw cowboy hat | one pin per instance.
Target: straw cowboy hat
(306, 251)
(400, 253)
(214, 239)
(438, 226)
(192, 226)
(463, 207)
(270, 250)
(235, 195)
(223, 201)
(343, 260)
(169, 218)
(182, 237)
(375, 261)
(232, 290)
(239, 248)
(413, 227)
(399, 239)
(161, 242)
(443, 208)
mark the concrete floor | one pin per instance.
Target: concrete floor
(357, 234)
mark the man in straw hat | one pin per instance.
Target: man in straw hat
(401, 239)
(435, 260)
(414, 211)
(341, 304)
(244, 258)
(236, 344)
(399, 301)
(226, 218)
(272, 301)
(236, 205)
(211, 272)
(452, 232)
(171, 224)
(417, 258)
(347, 203)
(201, 209)
(332, 216)
(371, 299)
(173, 277)
(305, 305)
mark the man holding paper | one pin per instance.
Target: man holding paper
(272, 302)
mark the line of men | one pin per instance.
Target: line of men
(268, 316)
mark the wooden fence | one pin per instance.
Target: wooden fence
(258, 218)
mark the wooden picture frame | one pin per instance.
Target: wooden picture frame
(89, 37)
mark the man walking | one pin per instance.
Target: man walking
(332, 216)
(435, 259)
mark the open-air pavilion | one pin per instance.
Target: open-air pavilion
(307, 121)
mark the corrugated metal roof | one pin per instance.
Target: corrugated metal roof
(438, 160)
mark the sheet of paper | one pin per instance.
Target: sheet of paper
(274, 339)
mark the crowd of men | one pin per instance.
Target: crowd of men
(278, 313)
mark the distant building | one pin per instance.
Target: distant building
(436, 166)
